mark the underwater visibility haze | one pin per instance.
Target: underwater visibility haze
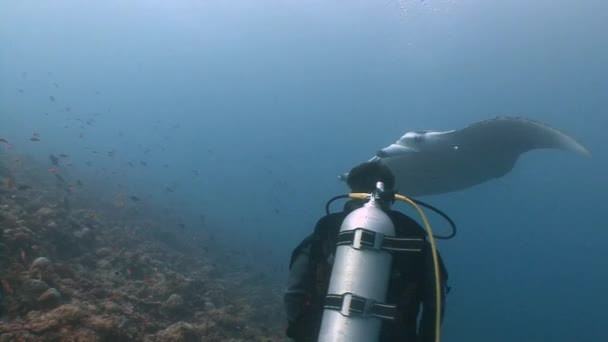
(196, 142)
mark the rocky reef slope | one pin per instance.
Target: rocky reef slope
(79, 271)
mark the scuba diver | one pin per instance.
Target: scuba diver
(410, 277)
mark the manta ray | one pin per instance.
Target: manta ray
(436, 162)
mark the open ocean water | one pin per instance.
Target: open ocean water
(239, 116)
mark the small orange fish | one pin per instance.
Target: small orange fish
(8, 183)
(129, 271)
(114, 297)
(23, 255)
(7, 287)
(120, 204)
(53, 170)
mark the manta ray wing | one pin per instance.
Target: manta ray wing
(512, 135)
(458, 159)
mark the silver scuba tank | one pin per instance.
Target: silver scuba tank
(359, 278)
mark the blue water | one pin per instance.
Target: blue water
(271, 100)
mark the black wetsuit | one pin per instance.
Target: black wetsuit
(412, 283)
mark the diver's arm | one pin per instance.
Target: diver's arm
(303, 313)
(426, 330)
(301, 321)
(295, 294)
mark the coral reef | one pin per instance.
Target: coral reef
(88, 273)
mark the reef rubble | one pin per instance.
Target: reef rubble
(89, 273)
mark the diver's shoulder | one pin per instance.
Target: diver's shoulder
(333, 217)
(329, 221)
(403, 221)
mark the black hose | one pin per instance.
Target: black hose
(442, 214)
(331, 200)
(426, 205)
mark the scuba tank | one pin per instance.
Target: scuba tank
(353, 308)
(354, 305)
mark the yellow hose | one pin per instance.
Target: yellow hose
(427, 226)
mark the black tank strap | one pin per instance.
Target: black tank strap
(364, 238)
(350, 304)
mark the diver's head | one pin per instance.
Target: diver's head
(363, 177)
